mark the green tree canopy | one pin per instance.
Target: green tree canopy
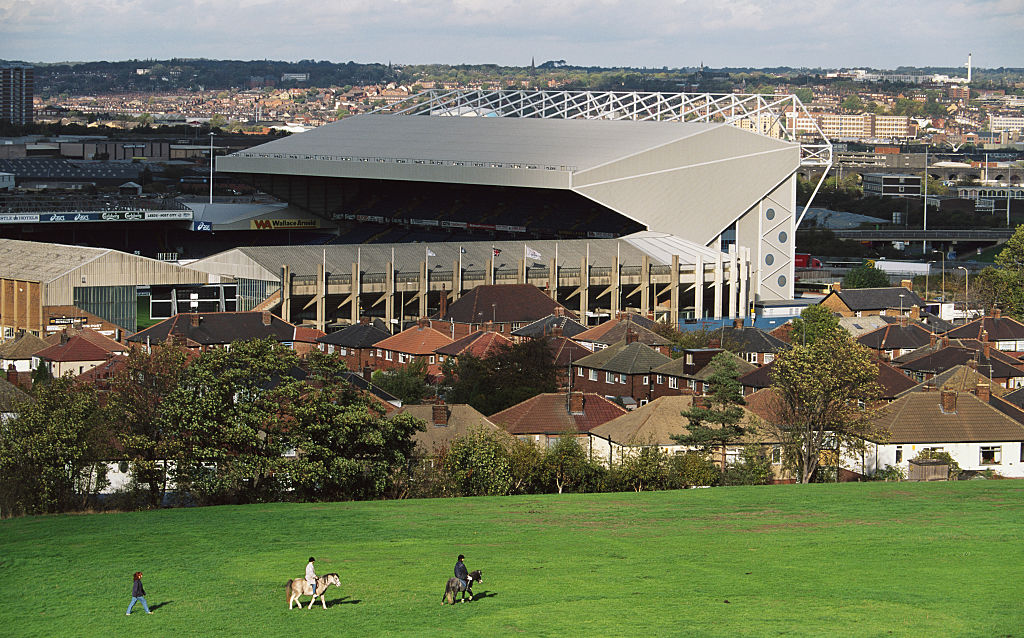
(815, 322)
(722, 409)
(866, 276)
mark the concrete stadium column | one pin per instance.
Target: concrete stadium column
(355, 289)
(616, 286)
(424, 290)
(286, 293)
(734, 273)
(698, 288)
(456, 281)
(584, 291)
(321, 297)
(389, 297)
(673, 293)
(744, 275)
(522, 271)
(645, 283)
(719, 276)
(490, 272)
(553, 279)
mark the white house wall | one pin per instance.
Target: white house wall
(967, 455)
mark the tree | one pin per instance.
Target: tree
(820, 389)
(1010, 263)
(692, 469)
(753, 468)
(477, 463)
(408, 383)
(512, 375)
(852, 103)
(644, 468)
(135, 409)
(526, 466)
(814, 323)
(721, 408)
(865, 276)
(567, 465)
(53, 453)
(226, 418)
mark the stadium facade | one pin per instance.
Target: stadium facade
(718, 173)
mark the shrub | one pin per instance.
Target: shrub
(890, 473)
(692, 469)
(753, 468)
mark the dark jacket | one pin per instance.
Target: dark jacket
(460, 571)
(137, 590)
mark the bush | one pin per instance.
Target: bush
(753, 468)
(692, 469)
(477, 464)
(890, 473)
(644, 469)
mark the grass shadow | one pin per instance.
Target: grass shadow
(484, 594)
(162, 604)
(344, 600)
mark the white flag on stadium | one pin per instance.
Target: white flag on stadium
(531, 253)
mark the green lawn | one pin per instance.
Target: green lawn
(880, 559)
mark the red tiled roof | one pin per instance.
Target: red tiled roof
(89, 335)
(549, 414)
(308, 334)
(418, 341)
(77, 348)
(615, 330)
(479, 344)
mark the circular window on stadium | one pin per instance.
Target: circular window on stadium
(770, 214)
(783, 237)
(769, 259)
(782, 280)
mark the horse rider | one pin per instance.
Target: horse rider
(311, 574)
(461, 572)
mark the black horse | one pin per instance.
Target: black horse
(455, 586)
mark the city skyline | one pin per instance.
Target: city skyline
(645, 33)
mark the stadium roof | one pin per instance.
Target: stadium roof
(34, 261)
(264, 262)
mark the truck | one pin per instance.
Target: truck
(804, 260)
(902, 268)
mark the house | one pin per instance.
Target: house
(480, 344)
(895, 340)
(622, 370)
(860, 302)
(564, 353)
(1005, 332)
(615, 331)
(752, 344)
(998, 366)
(73, 356)
(554, 324)
(974, 433)
(18, 352)
(891, 380)
(446, 423)
(654, 424)
(961, 378)
(92, 336)
(355, 343)
(690, 372)
(546, 417)
(203, 331)
(508, 307)
(420, 341)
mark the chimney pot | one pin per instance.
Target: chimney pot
(631, 337)
(364, 320)
(949, 401)
(931, 339)
(423, 322)
(984, 336)
(996, 313)
(440, 414)
(556, 331)
(972, 363)
(915, 312)
(837, 286)
(12, 374)
(266, 318)
(945, 341)
(194, 320)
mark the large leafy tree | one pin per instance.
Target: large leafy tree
(226, 419)
(865, 276)
(408, 383)
(567, 466)
(134, 408)
(478, 463)
(821, 393)
(715, 419)
(53, 453)
(814, 323)
(510, 376)
(1010, 274)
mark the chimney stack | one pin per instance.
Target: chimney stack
(931, 339)
(945, 341)
(488, 326)
(194, 320)
(556, 331)
(972, 363)
(949, 401)
(915, 312)
(423, 323)
(575, 403)
(440, 414)
(364, 320)
(996, 313)
(904, 321)
(737, 323)
(559, 311)
(12, 374)
(983, 391)
(836, 286)
(266, 317)
(908, 284)
(631, 337)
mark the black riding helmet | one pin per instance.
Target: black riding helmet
(312, 560)
(461, 556)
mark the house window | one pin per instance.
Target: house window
(647, 380)
(692, 384)
(899, 453)
(643, 401)
(622, 378)
(593, 375)
(752, 357)
(579, 371)
(432, 358)
(777, 455)
(609, 377)
(768, 357)
(673, 382)
(387, 355)
(991, 455)
(689, 359)
(660, 379)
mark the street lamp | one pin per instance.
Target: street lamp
(902, 295)
(967, 292)
(942, 297)
(211, 166)
(926, 273)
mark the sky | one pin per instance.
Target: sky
(882, 34)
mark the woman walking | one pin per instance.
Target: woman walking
(138, 593)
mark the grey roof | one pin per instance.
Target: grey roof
(373, 258)
(543, 327)
(879, 298)
(573, 144)
(625, 358)
(34, 261)
(360, 335)
(749, 339)
(11, 395)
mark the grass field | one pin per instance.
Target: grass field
(881, 559)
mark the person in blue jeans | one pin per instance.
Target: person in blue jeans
(138, 593)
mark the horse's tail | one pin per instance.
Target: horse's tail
(288, 589)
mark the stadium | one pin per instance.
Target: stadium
(714, 173)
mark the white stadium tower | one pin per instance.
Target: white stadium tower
(715, 171)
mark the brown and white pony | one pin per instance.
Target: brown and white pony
(299, 587)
